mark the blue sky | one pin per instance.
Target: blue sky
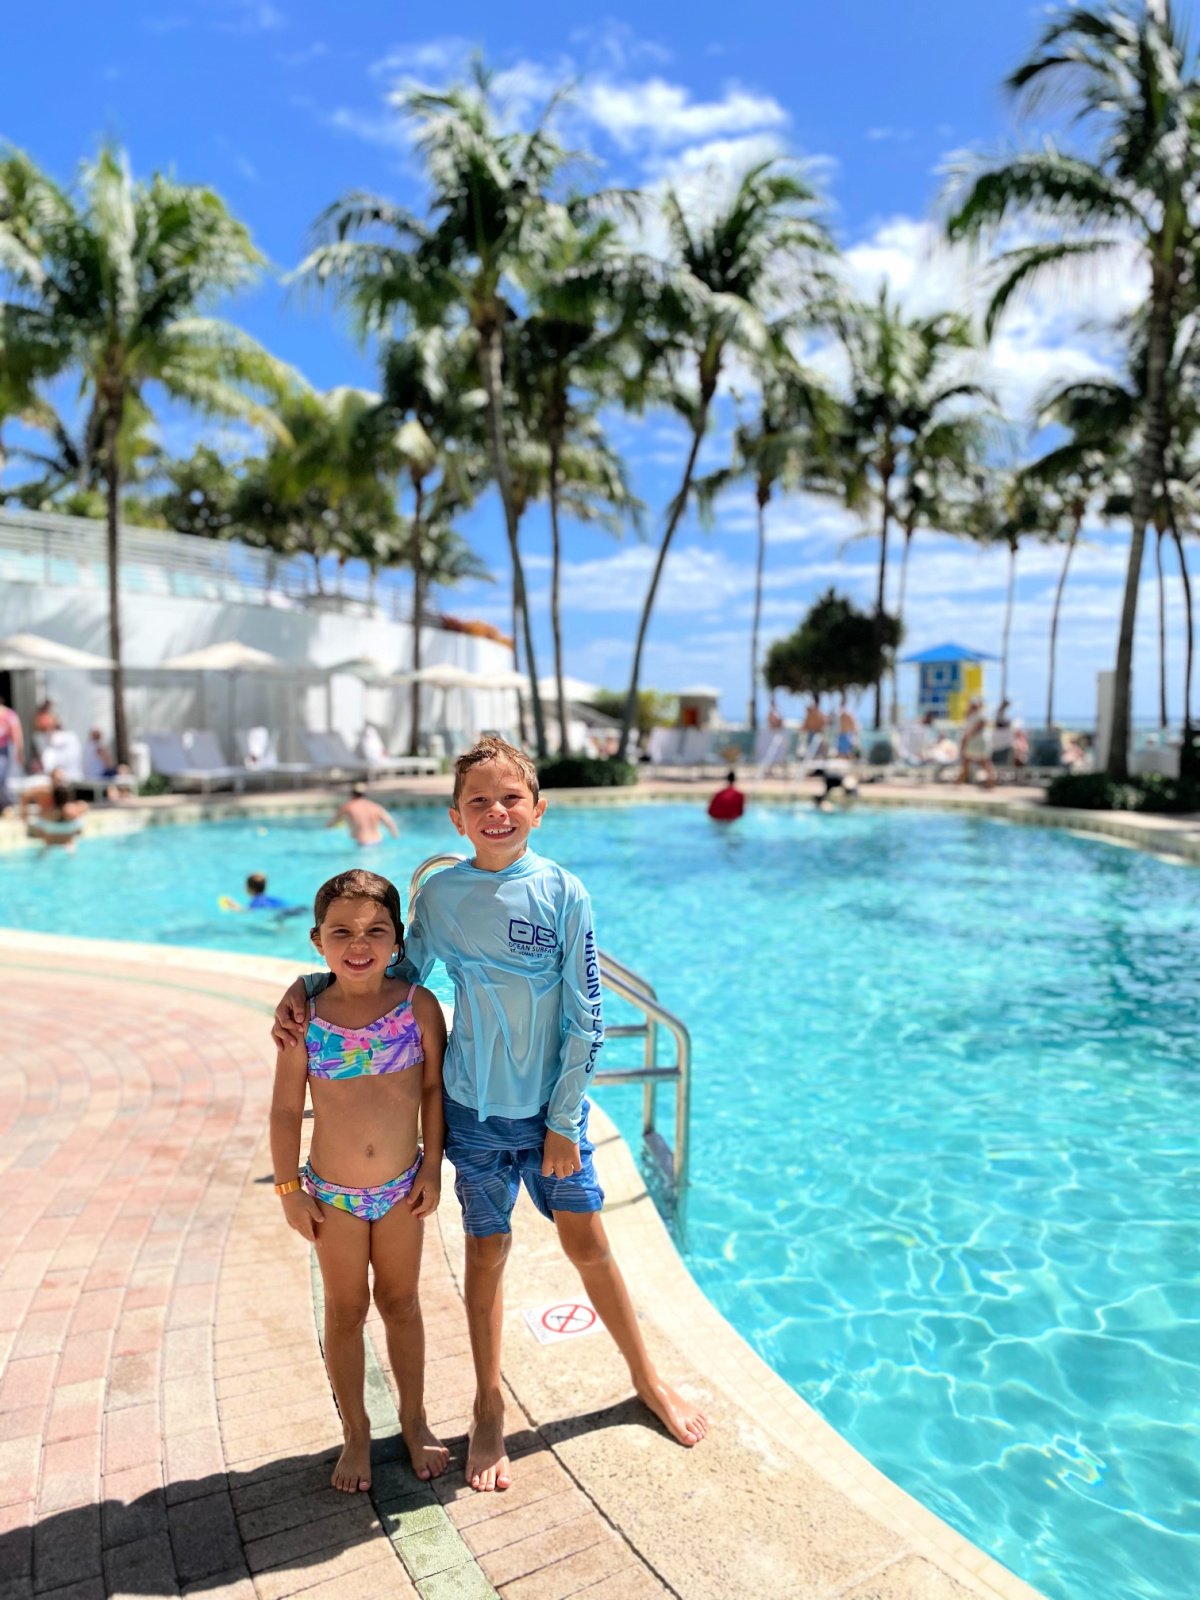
(283, 107)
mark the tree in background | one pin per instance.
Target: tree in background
(1128, 77)
(728, 275)
(489, 211)
(788, 446)
(835, 649)
(905, 381)
(109, 282)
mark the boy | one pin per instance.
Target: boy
(257, 899)
(515, 933)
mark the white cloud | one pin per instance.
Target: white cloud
(305, 57)
(654, 111)
(889, 135)
(251, 16)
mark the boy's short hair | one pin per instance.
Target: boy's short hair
(493, 748)
(358, 884)
(256, 883)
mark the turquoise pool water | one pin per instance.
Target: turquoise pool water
(946, 1151)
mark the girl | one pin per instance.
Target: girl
(371, 1059)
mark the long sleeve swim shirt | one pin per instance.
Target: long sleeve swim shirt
(521, 952)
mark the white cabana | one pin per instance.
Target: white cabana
(233, 658)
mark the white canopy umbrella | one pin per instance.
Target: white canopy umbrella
(25, 651)
(371, 669)
(445, 675)
(231, 657)
(506, 678)
(573, 688)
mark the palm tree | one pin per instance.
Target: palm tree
(1130, 77)
(727, 276)
(1096, 416)
(786, 446)
(427, 391)
(110, 282)
(564, 360)
(903, 384)
(325, 487)
(490, 218)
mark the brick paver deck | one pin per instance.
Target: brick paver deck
(166, 1425)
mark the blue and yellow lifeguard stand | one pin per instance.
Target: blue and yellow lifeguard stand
(948, 676)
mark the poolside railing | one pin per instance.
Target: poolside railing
(670, 1164)
(55, 551)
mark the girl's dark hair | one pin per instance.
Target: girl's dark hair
(61, 795)
(360, 885)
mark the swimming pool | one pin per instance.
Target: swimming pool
(946, 1153)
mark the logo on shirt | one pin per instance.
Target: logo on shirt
(528, 936)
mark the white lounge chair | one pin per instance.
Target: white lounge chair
(259, 753)
(171, 759)
(378, 761)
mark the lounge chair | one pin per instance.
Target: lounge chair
(330, 751)
(378, 761)
(258, 749)
(171, 759)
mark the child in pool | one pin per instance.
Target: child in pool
(257, 899)
(371, 1058)
(515, 932)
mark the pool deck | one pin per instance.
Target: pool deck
(166, 1426)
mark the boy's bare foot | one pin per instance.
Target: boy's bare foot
(681, 1419)
(428, 1454)
(487, 1459)
(353, 1470)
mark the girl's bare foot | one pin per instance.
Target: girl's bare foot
(353, 1471)
(681, 1419)
(428, 1454)
(487, 1459)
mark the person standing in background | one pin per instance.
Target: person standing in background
(12, 751)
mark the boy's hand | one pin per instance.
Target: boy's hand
(302, 1213)
(291, 1016)
(560, 1156)
(426, 1193)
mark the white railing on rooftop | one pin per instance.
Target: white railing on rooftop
(48, 549)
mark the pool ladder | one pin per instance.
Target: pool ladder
(670, 1166)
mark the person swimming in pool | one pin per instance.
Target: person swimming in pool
(61, 822)
(257, 899)
(364, 817)
(371, 1060)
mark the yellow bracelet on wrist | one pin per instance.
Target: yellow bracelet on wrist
(290, 1187)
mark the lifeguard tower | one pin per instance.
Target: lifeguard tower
(947, 678)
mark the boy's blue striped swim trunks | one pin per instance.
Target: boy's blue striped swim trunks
(493, 1158)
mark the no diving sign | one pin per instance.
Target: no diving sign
(562, 1319)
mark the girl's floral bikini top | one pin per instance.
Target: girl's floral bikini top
(389, 1044)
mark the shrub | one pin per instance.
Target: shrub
(585, 772)
(155, 784)
(1095, 791)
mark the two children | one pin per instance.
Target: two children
(515, 933)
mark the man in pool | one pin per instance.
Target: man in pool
(364, 818)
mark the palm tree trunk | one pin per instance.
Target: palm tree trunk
(564, 743)
(112, 475)
(1159, 345)
(491, 362)
(1162, 632)
(1186, 756)
(908, 539)
(1008, 615)
(879, 593)
(764, 495)
(418, 572)
(1076, 525)
(673, 521)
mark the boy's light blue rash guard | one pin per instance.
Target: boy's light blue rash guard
(521, 952)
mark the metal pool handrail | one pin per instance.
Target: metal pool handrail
(672, 1165)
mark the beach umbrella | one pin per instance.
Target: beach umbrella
(231, 657)
(507, 678)
(371, 669)
(573, 688)
(445, 675)
(21, 652)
